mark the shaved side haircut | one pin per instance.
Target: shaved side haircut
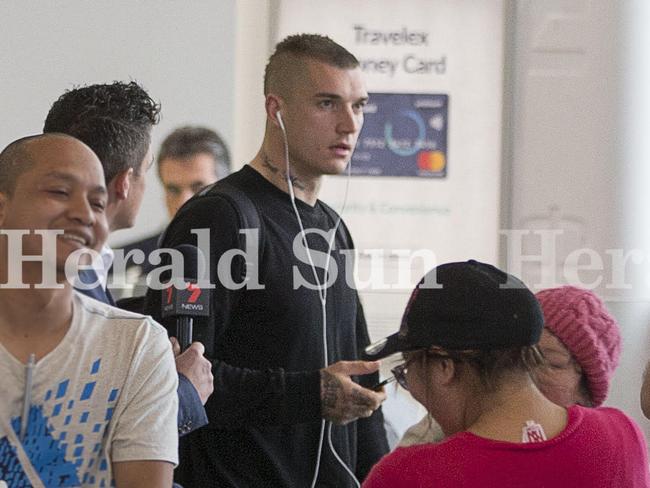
(290, 54)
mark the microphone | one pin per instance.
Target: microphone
(189, 301)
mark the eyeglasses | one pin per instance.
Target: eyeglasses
(399, 373)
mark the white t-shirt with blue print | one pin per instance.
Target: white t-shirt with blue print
(106, 393)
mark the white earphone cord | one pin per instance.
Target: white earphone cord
(322, 292)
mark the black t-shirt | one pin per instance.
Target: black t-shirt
(267, 347)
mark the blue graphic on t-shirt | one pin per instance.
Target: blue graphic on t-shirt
(46, 454)
(57, 456)
(11, 470)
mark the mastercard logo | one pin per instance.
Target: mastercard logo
(433, 161)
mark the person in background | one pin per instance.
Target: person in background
(88, 390)
(469, 340)
(581, 345)
(645, 392)
(189, 159)
(115, 120)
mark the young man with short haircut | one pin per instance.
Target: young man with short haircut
(276, 386)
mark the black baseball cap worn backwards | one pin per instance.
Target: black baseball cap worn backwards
(466, 305)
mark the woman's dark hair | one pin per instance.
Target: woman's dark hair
(490, 365)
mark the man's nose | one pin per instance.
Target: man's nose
(81, 210)
(349, 121)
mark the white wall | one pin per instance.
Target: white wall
(633, 157)
(580, 99)
(182, 52)
(252, 49)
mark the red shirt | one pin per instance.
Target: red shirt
(599, 448)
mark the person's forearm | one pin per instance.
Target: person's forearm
(143, 474)
(191, 414)
(271, 397)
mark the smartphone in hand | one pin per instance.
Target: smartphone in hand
(381, 384)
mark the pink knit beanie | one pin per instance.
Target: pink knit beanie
(580, 320)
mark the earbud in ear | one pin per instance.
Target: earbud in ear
(278, 114)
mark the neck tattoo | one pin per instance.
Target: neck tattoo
(268, 164)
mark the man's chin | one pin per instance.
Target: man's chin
(337, 167)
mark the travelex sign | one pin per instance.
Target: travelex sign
(410, 61)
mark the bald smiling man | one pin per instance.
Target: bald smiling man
(88, 391)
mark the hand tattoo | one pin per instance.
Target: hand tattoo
(330, 388)
(342, 405)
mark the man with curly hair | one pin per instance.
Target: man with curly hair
(115, 120)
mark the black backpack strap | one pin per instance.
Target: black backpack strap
(247, 212)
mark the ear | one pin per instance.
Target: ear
(121, 184)
(273, 104)
(445, 371)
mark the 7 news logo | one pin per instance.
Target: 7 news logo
(189, 301)
(194, 294)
